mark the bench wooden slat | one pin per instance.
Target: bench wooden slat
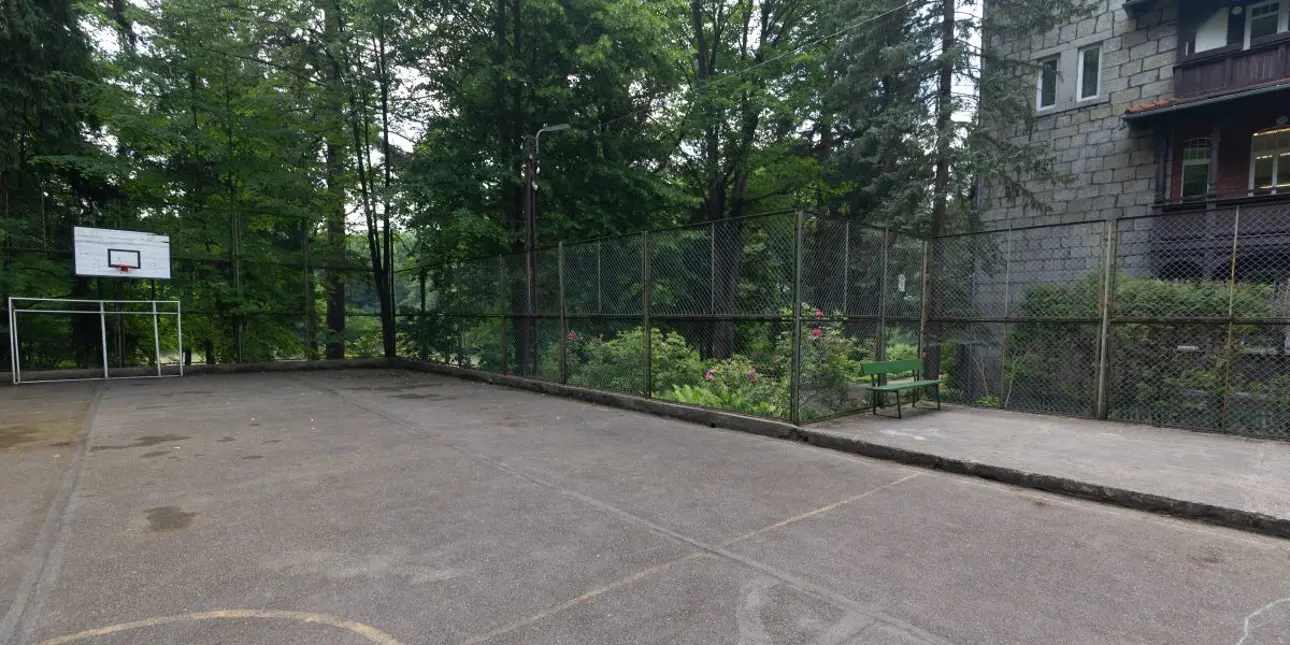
(905, 385)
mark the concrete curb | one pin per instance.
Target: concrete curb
(705, 416)
(1136, 500)
(6, 378)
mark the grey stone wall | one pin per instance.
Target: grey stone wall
(1113, 167)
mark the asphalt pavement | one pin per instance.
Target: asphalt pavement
(392, 507)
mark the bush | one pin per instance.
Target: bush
(618, 364)
(754, 383)
(735, 384)
(830, 367)
(1175, 374)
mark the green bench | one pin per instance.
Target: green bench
(910, 366)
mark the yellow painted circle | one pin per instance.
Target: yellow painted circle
(366, 631)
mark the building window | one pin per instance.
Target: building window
(1270, 165)
(1047, 91)
(1090, 72)
(1265, 19)
(1195, 168)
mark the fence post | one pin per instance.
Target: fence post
(795, 378)
(599, 287)
(1005, 387)
(461, 331)
(564, 320)
(924, 298)
(880, 342)
(1229, 351)
(1102, 410)
(712, 269)
(647, 292)
(846, 266)
(310, 344)
(503, 307)
(423, 345)
(236, 247)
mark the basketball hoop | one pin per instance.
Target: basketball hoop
(123, 268)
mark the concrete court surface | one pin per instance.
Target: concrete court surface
(1250, 475)
(381, 506)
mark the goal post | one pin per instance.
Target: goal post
(155, 309)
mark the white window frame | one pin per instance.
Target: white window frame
(1280, 176)
(1039, 82)
(1207, 161)
(1079, 73)
(1283, 18)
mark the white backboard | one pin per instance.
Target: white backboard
(100, 252)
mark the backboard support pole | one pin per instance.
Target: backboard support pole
(179, 325)
(103, 329)
(156, 339)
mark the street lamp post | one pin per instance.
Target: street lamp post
(532, 147)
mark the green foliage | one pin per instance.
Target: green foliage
(1166, 373)
(736, 384)
(618, 364)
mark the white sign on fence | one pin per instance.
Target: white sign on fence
(105, 253)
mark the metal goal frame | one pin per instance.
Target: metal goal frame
(103, 312)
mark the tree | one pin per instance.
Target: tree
(51, 174)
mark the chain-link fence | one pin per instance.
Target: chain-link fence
(755, 315)
(1177, 319)
(255, 286)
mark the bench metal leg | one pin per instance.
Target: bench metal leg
(899, 414)
(938, 396)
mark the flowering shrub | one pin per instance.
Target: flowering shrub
(736, 384)
(754, 383)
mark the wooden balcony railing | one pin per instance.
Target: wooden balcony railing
(1227, 71)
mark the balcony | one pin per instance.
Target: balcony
(1207, 236)
(1230, 69)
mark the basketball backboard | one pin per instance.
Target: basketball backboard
(105, 253)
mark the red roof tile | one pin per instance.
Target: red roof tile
(1168, 101)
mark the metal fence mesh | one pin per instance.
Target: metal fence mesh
(1177, 319)
(1181, 318)
(256, 286)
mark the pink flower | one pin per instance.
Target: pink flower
(752, 376)
(819, 315)
(573, 335)
(817, 332)
(710, 375)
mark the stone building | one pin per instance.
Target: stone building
(1158, 107)
(1172, 117)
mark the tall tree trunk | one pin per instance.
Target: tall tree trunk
(334, 277)
(386, 279)
(510, 141)
(941, 182)
(944, 118)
